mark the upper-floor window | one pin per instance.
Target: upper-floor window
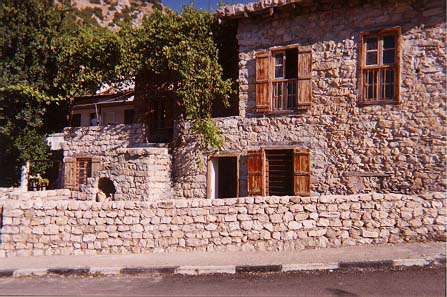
(380, 67)
(283, 79)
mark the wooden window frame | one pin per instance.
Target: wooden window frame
(257, 167)
(265, 79)
(363, 68)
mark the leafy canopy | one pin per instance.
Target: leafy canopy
(178, 52)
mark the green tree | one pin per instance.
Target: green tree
(178, 53)
(27, 66)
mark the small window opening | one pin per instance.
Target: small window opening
(76, 120)
(106, 186)
(279, 172)
(129, 116)
(83, 170)
(223, 177)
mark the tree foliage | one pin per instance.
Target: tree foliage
(50, 54)
(178, 52)
(27, 66)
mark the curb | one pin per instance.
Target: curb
(225, 269)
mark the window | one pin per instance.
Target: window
(109, 118)
(380, 67)
(76, 120)
(223, 177)
(279, 172)
(161, 120)
(129, 116)
(83, 170)
(283, 79)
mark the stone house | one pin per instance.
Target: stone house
(335, 97)
(340, 123)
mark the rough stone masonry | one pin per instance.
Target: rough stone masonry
(405, 141)
(71, 227)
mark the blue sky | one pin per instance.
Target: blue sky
(207, 5)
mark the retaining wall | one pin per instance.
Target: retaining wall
(64, 227)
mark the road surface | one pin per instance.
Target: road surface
(404, 282)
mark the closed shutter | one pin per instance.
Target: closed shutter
(263, 93)
(304, 77)
(255, 173)
(70, 173)
(301, 167)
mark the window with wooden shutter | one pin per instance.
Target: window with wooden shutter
(284, 79)
(255, 164)
(83, 170)
(279, 172)
(301, 178)
(69, 173)
(263, 94)
(304, 77)
(379, 66)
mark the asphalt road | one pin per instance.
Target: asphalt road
(406, 282)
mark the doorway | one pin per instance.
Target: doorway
(223, 177)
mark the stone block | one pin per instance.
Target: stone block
(294, 225)
(308, 224)
(370, 233)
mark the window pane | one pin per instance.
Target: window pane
(279, 59)
(291, 94)
(371, 58)
(388, 56)
(389, 41)
(371, 43)
(389, 91)
(279, 66)
(370, 84)
(389, 76)
(279, 71)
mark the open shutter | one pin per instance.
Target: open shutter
(301, 168)
(304, 77)
(255, 173)
(70, 173)
(263, 93)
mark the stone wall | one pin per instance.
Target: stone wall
(120, 153)
(65, 227)
(404, 142)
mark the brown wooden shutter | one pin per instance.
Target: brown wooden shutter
(263, 77)
(301, 168)
(70, 173)
(255, 173)
(304, 77)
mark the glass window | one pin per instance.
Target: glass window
(380, 69)
(279, 65)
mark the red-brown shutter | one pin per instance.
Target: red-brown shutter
(301, 168)
(263, 93)
(70, 173)
(304, 77)
(255, 173)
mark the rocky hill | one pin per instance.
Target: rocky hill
(109, 12)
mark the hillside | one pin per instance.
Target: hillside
(109, 12)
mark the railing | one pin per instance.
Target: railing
(284, 94)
